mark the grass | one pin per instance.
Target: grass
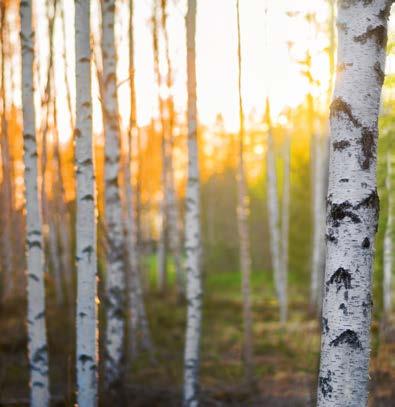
(285, 356)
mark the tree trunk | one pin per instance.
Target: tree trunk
(285, 207)
(274, 221)
(87, 331)
(318, 257)
(192, 228)
(388, 246)
(161, 249)
(115, 274)
(170, 193)
(138, 321)
(242, 223)
(7, 190)
(352, 204)
(37, 333)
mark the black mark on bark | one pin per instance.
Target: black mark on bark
(341, 145)
(365, 243)
(367, 142)
(347, 337)
(325, 385)
(342, 278)
(339, 106)
(378, 34)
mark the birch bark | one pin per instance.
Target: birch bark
(37, 332)
(86, 249)
(192, 228)
(115, 266)
(352, 203)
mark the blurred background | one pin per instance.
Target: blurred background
(288, 53)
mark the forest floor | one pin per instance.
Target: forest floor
(285, 356)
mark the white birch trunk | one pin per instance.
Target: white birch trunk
(86, 250)
(352, 204)
(192, 228)
(37, 333)
(388, 245)
(274, 221)
(115, 267)
(242, 223)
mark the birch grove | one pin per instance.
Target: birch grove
(196, 191)
(115, 265)
(37, 332)
(192, 227)
(352, 204)
(86, 250)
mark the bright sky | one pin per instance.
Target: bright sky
(268, 67)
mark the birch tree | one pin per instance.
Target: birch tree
(242, 222)
(388, 245)
(352, 203)
(115, 267)
(161, 250)
(7, 208)
(192, 227)
(86, 256)
(274, 220)
(37, 332)
(138, 320)
(170, 193)
(285, 205)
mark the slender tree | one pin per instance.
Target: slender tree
(87, 331)
(7, 187)
(242, 222)
(285, 204)
(162, 241)
(388, 245)
(352, 204)
(37, 333)
(192, 227)
(139, 327)
(274, 220)
(115, 265)
(170, 193)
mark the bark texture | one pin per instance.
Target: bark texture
(37, 333)
(115, 265)
(86, 256)
(352, 203)
(192, 228)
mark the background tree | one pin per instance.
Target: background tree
(37, 332)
